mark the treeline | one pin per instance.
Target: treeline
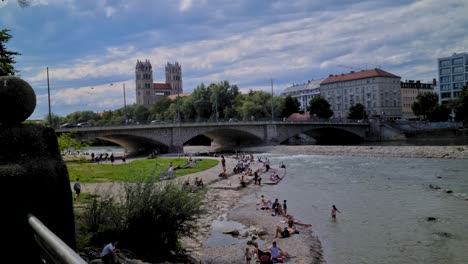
(202, 105)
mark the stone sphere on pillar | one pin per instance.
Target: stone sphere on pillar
(17, 100)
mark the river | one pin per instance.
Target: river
(384, 204)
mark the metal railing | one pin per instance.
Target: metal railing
(54, 249)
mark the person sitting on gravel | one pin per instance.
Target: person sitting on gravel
(109, 253)
(291, 222)
(277, 254)
(285, 232)
(243, 183)
(264, 257)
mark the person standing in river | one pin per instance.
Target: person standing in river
(333, 213)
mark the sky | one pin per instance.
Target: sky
(91, 46)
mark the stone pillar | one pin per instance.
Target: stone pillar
(33, 178)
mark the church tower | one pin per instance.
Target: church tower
(174, 77)
(144, 82)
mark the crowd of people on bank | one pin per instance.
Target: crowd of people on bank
(274, 254)
(104, 157)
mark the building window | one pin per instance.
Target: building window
(457, 69)
(445, 79)
(444, 63)
(456, 94)
(457, 86)
(458, 78)
(457, 61)
(445, 87)
(445, 95)
(444, 71)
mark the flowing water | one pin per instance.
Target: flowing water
(384, 204)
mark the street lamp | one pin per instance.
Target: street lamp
(125, 105)
(48, 95)
(272, 107)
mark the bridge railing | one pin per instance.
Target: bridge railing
(223, 121)
(53, 248)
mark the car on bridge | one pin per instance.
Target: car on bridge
(155, 122)
(68, 125)
(83, 124)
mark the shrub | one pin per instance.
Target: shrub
(147, 218)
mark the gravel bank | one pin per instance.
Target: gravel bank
(225, 206)
(439, 152)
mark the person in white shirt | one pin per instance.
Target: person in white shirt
(109, 252)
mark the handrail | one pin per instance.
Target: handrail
(55, 249)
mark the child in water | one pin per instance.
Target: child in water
(248, 256)
(333, 213)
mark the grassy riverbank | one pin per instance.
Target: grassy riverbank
(96, 173)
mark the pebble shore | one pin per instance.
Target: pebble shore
(438, 152)
(229, 205)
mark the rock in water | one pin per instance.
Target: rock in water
(17, 100)
(233, 232)
(431, 218)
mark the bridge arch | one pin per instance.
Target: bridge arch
(332, 135)
(228, 137)
(135, 144)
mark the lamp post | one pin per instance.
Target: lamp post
(178, 105)
(216, 106)
(272, 107)
(125, 104)
(48, 95)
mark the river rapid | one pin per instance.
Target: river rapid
(384, 204)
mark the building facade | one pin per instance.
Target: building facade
(409, 91)
(147, 92)
(377, 90)
(304, 92)
(453, 75)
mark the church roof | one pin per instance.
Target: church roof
(142, 64)
(162, 86)
(358, 75)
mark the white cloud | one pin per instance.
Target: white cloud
(185, 5)
(405, 40)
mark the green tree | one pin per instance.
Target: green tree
(439, 113)
(68, 141)
(291, 106)
(140, 114)
(160, 109)
(357, 112)
(320, 107)
(201, 102)
(6, 56)
(55, 120)
(424, 104)
(461, 106)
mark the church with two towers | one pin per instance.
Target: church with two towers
(147, 92)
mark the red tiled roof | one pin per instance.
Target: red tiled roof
(358, 75)
(174, 96)
(162, 86)
(299, 116)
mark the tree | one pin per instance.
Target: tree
(425, 103)
(6, 56)
(357, 112)
(439, 113)
(291, 106)
(67, 141)
(54, 122)
(461, 106)
(320, 107)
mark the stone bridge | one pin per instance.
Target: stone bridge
(172, 137)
